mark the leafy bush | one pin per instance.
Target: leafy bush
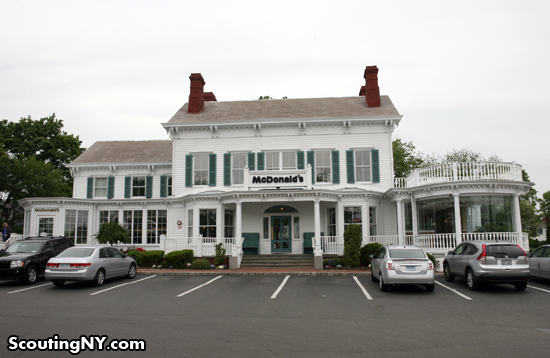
(200, 264)
(149, 258)
(367, 250)
(219, 259)
(136, 254)
(178, 259)
(432, 258)
(352, 245)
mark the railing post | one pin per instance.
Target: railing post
(198, 245)
(162, 242)
(318, 258)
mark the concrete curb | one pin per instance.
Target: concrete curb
(258, 273)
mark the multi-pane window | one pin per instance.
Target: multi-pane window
(100, 187)
(280, 160)
(322, 167)
(189, 223)
(372, 219)
(352, 215)
(138, 186)
(201, 169)
(331, 222)
(237, 167)
(207, 222)
(169, 186)
(133, 222)
(106, 216)
(76, 225)
(45, 225)
(156, 225)
(362, 165)
(229, 223)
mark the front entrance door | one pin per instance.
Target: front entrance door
(281, 234)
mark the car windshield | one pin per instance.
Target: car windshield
(25, 247)
(77, 252)
(407, 254)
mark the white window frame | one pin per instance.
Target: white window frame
(361, 168)
(200, 169)
(137, 187)
(237, 172)
(101, 187)
(159, 228)
(80, 221)
(320, 168)
(283, 160)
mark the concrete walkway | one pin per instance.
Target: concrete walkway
(254, 271)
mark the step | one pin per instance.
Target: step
(278, 261)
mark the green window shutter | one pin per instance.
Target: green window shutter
(227, 169)
(251, 161)
(350, 165)
(110, 187)
(90, 192)
(300, 158)
(375, 166)
(163, 185)
(261, 161)
(311, 161)
(188, 170)
(335, 167)
(127, 187)
(212, 170)
(148, 187)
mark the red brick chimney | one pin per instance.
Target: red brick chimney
(372, 90)
(363, 90)
(210, 97)
(196, 97)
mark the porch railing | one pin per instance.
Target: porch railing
(460, 171)
(13, 238)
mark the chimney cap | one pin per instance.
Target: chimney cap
(197, 77)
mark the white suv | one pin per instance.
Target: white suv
(487, 262)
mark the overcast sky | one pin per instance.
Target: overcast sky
(464, 74)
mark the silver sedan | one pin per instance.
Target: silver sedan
(89, 263)
(402, 265)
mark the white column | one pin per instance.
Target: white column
(365, 224)
(414, 216)
(238, 222)
(458, 223)
(340, 219)
(317, 219)
(400, 231)
(517, 215)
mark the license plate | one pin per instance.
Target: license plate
(505, 262)
(64, 266)
(411, 268)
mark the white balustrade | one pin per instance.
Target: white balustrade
(332, 245)
(460, 171)
(383, 239)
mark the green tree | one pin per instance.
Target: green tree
(112, 233)
(530, 219)
(33, 154)
(545, 211)
(352, 245)
(405, 158)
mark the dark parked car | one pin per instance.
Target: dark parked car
(482, 262)
(539, 262)
(26, 259)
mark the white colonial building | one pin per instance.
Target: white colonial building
(279, 176)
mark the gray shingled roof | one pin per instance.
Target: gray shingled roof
(150, 151)
(343, 107)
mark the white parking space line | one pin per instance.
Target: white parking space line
(536, 288)
(196, 288)
(280, 288)
(124, 284)
(453, 290)
(30, 288)
(362, 288)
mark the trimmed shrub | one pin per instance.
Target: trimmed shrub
(367, 250)
(352, 245)
(178, 259)
(136, 255)
(219, 259)
(150, 258)
(200, 264)
(432, 258)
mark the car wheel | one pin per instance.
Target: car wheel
(58, 283)
(31, 276)
(447, 273)
(99, 277)
(520, 286)
(132, 271)
(471, 280)
(381, 284)
(429, 288)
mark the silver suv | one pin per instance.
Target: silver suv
(487, 262)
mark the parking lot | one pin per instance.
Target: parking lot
(268, 316)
